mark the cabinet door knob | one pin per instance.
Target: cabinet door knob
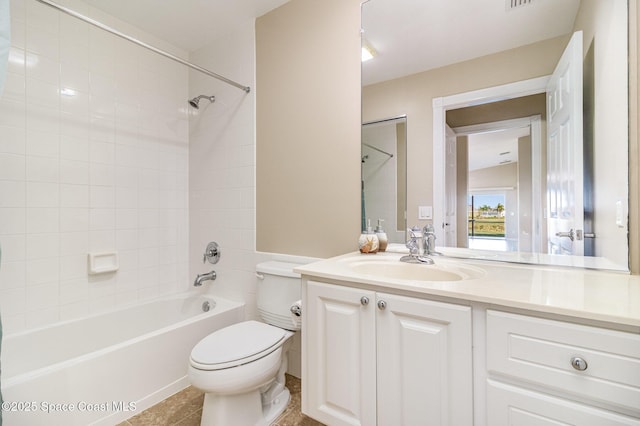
(382, 305)
(579, 363)
(364, 300)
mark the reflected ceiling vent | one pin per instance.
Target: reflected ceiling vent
(516, 4)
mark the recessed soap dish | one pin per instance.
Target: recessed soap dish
(102, 263)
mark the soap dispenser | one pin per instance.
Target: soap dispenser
(382, 236)
(368, 241)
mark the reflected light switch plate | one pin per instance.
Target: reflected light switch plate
(425, 212)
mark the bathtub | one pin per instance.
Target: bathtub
(106, 368)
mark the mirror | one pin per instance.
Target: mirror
(384, 176)
(430, 66)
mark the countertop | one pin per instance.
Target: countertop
(584, 294)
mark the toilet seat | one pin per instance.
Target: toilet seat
(237, 344)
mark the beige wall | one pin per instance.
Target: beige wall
(524, 106)
(308, 128)
(412, 96)
(494, 177)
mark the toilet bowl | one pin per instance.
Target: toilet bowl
(241, 368)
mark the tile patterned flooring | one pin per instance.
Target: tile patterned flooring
(185, 409)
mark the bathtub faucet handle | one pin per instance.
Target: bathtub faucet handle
(211, 253)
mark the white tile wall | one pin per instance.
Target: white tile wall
(99, 151)
(94, 155)
(222, 168)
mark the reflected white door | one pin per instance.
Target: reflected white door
(451, 189)
(565, 208)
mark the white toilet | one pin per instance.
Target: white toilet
(241, 367)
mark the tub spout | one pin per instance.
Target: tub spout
(204, 277)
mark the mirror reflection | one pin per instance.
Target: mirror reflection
(548, 199)
(384, 176)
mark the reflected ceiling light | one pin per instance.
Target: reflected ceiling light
(368, 52)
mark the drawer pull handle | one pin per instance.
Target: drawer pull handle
(364, 300)
(382, 305)
(579, 363)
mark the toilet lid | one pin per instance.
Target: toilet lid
(236, 342)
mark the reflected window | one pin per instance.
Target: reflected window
(486, 222)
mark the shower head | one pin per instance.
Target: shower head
(195, 101)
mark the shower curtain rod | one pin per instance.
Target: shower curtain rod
(377, 149)
(143, 44)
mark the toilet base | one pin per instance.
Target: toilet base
(272, 410)
(245, 409)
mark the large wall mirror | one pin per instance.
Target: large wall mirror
(508, 163)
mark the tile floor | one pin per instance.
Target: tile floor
(185, 409)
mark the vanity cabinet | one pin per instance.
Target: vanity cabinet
(374, 358)
(543, 371)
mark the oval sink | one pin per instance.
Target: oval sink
(410, 271)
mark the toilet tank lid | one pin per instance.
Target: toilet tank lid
(275, 267)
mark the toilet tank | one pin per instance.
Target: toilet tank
(278, 288)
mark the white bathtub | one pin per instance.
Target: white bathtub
(106, 368)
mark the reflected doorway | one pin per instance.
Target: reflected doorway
(496, 168)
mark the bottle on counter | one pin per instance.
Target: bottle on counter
(382, 236)
(368, 241)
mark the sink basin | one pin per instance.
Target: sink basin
(394, 269)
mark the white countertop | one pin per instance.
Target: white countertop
(613, 297)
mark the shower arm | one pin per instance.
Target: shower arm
(377, 149)
(100, 25)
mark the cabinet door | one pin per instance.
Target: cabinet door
(511, 405)
(338, 353)
(424, 362)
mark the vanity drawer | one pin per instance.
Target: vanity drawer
(511, 405)
(588, 362)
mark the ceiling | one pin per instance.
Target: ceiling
(417, 35)
(187, 24)
(494, 148)
(409, 35)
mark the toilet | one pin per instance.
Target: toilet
(241, 368)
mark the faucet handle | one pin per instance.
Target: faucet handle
(412, 242)
(415, 232)
(212, 253)
(412, 245)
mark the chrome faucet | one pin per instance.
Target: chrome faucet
(209, 276)
(416, 246)
(429, 235)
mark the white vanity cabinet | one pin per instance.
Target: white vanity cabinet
(543, 371)
(374, 358)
